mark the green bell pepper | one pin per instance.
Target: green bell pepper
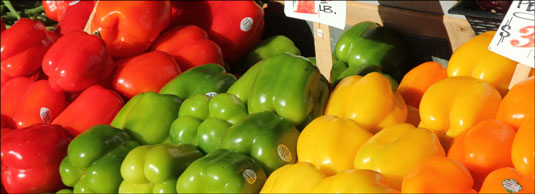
(266, 137)
(148, 116)
(268, 48)
(286, 84)
(93, 160)
(156, 168)
(199, 80)
(202, 120)
(367, 43)
(222, 171)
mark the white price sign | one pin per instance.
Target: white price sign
(332, 13)
(515, 37)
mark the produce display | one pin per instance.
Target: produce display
(192, 97)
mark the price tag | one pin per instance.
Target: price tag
(332, 13)
(515, 37)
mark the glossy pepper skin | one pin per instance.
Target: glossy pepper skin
(414, 84)
(358, 47)
(31, 157)
(300, 177)
(147, 72)
(203, 119)
(264, 136)
(523, 149)
(236, 26)
(455, 104)
(156, 168)
(517, 105)
(148, 116)
(55, 9)
(96, 105)
(403, 143)
(474, 59)
(199, 80)
(190, 46)
(94, 158)
(286, 84)
(270, 47)
(222, 171)
(355, 181)
(368, 100)
(26, 102)
(508, 180)
(75, 16)
(76, 61)
(483, 148)
(23, 46)
(438, 174)
(331, 143)
(129, 28)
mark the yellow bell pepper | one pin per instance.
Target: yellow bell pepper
(355, 181)
(303, 177)
(368, 100)
(395, 150)
(331, 143)
(293, 178)
(474, 59)
(454, 104)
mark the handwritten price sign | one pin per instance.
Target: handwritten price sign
(515, 37)
(332, 13)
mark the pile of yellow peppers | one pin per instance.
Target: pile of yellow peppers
(444, 130)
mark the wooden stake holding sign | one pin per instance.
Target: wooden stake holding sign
(515, 38)
(323, 14)
(88, 24)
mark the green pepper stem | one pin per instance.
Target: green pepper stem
(34, 11)
(7, 3)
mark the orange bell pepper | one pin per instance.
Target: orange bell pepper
(413, 116)
(474, 59)
(130, 27)
(331, 143)
(454, 104)
(523, 153)
(508, 180)
(484, 148)
(518, 105)
(396, 150)
(414, 84)
(438, 174)
(368, 100)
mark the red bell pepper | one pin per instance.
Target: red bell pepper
(236, 26)
(2, 25)
(147, 72)
(130, 27)
(31, 157)
(96, 105)
(182, 12)
(23, 47)
(55, 9)
(75, 17)
(190, 47)
(76, 61)
(26, 102)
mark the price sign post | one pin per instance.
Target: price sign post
(515, 38)
(323, 14)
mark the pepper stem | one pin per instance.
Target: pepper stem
(34, 11)
(7, 3)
